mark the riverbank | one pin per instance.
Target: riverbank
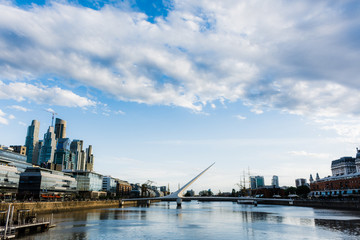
(66, 206)
(330, 204)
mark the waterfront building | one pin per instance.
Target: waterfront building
(343, 166)
(48, 147)
(109, 185)
(123, 188)
(60, 128)
(14, 159)
(257, 182)
(345, 179)
(41, 183)
(32, 142)
(275, 181)
(89, 184)
(9, 179)
(19, 149)
(300, 182)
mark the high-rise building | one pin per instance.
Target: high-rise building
(300, 182)
(275, 181)
(89, 159)
(62, 154)
(76, 149)
(60, 128)
(32, 142)
(48, 147)
(257, 182)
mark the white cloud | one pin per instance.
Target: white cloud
(21, 91)
(309, 154)
(301, 58)
(11, 116)
(22, 123)
(240, 117)
(19, 108)
(3, 120)
(119, 112)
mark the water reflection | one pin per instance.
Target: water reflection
(204, 221)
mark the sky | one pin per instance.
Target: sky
(162, 89)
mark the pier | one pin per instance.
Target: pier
(22, 223)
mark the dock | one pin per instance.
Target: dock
(22, 223)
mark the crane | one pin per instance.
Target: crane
(53, 115)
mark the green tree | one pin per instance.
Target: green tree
(290, 190)
(302, 191)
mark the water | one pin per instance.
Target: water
(208, 220)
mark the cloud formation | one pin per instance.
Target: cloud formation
(21, 91)
(299, 57)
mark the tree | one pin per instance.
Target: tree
(302, 191)
(290, 190)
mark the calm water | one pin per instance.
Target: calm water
(224, 220)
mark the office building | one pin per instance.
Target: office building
(89, 159)
(88, 181)
(109, 185)
(41, 183)
(63, 157)
(48, 147)
(19, 149)
(60, 128)
(275, 181)
(76, 149)
(257, 182)
(9, 178)
(14, 159)
(300, 182)
(32, 142)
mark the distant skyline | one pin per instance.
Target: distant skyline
(162, 89)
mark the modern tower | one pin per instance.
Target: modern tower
(60, 128)
(275, 181)
(76, 149)
(32, 142)
(48, 147)
(89, 159)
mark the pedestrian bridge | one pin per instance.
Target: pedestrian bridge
(178, 197)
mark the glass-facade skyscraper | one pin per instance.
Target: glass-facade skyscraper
(32, 142)
(48, 147)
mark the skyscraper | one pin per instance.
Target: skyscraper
(47, 150)
(76, 148)
(62, 154)
(89, 159)
(60, 128)
(32, 142)
(275, 181)
(257, 182)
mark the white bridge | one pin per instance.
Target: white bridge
(178, 196)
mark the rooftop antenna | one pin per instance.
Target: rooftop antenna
(53, 114)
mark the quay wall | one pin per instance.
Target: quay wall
(55, 207)
(330, 204)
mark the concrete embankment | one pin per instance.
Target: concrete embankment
(55, 207)
(330, 204)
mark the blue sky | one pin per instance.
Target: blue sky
(162, 89)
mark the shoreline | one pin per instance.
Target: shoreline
(66, 206)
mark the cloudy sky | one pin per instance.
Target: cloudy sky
(162, 89)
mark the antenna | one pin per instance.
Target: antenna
(53, 114)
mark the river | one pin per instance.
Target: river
(204, 220)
